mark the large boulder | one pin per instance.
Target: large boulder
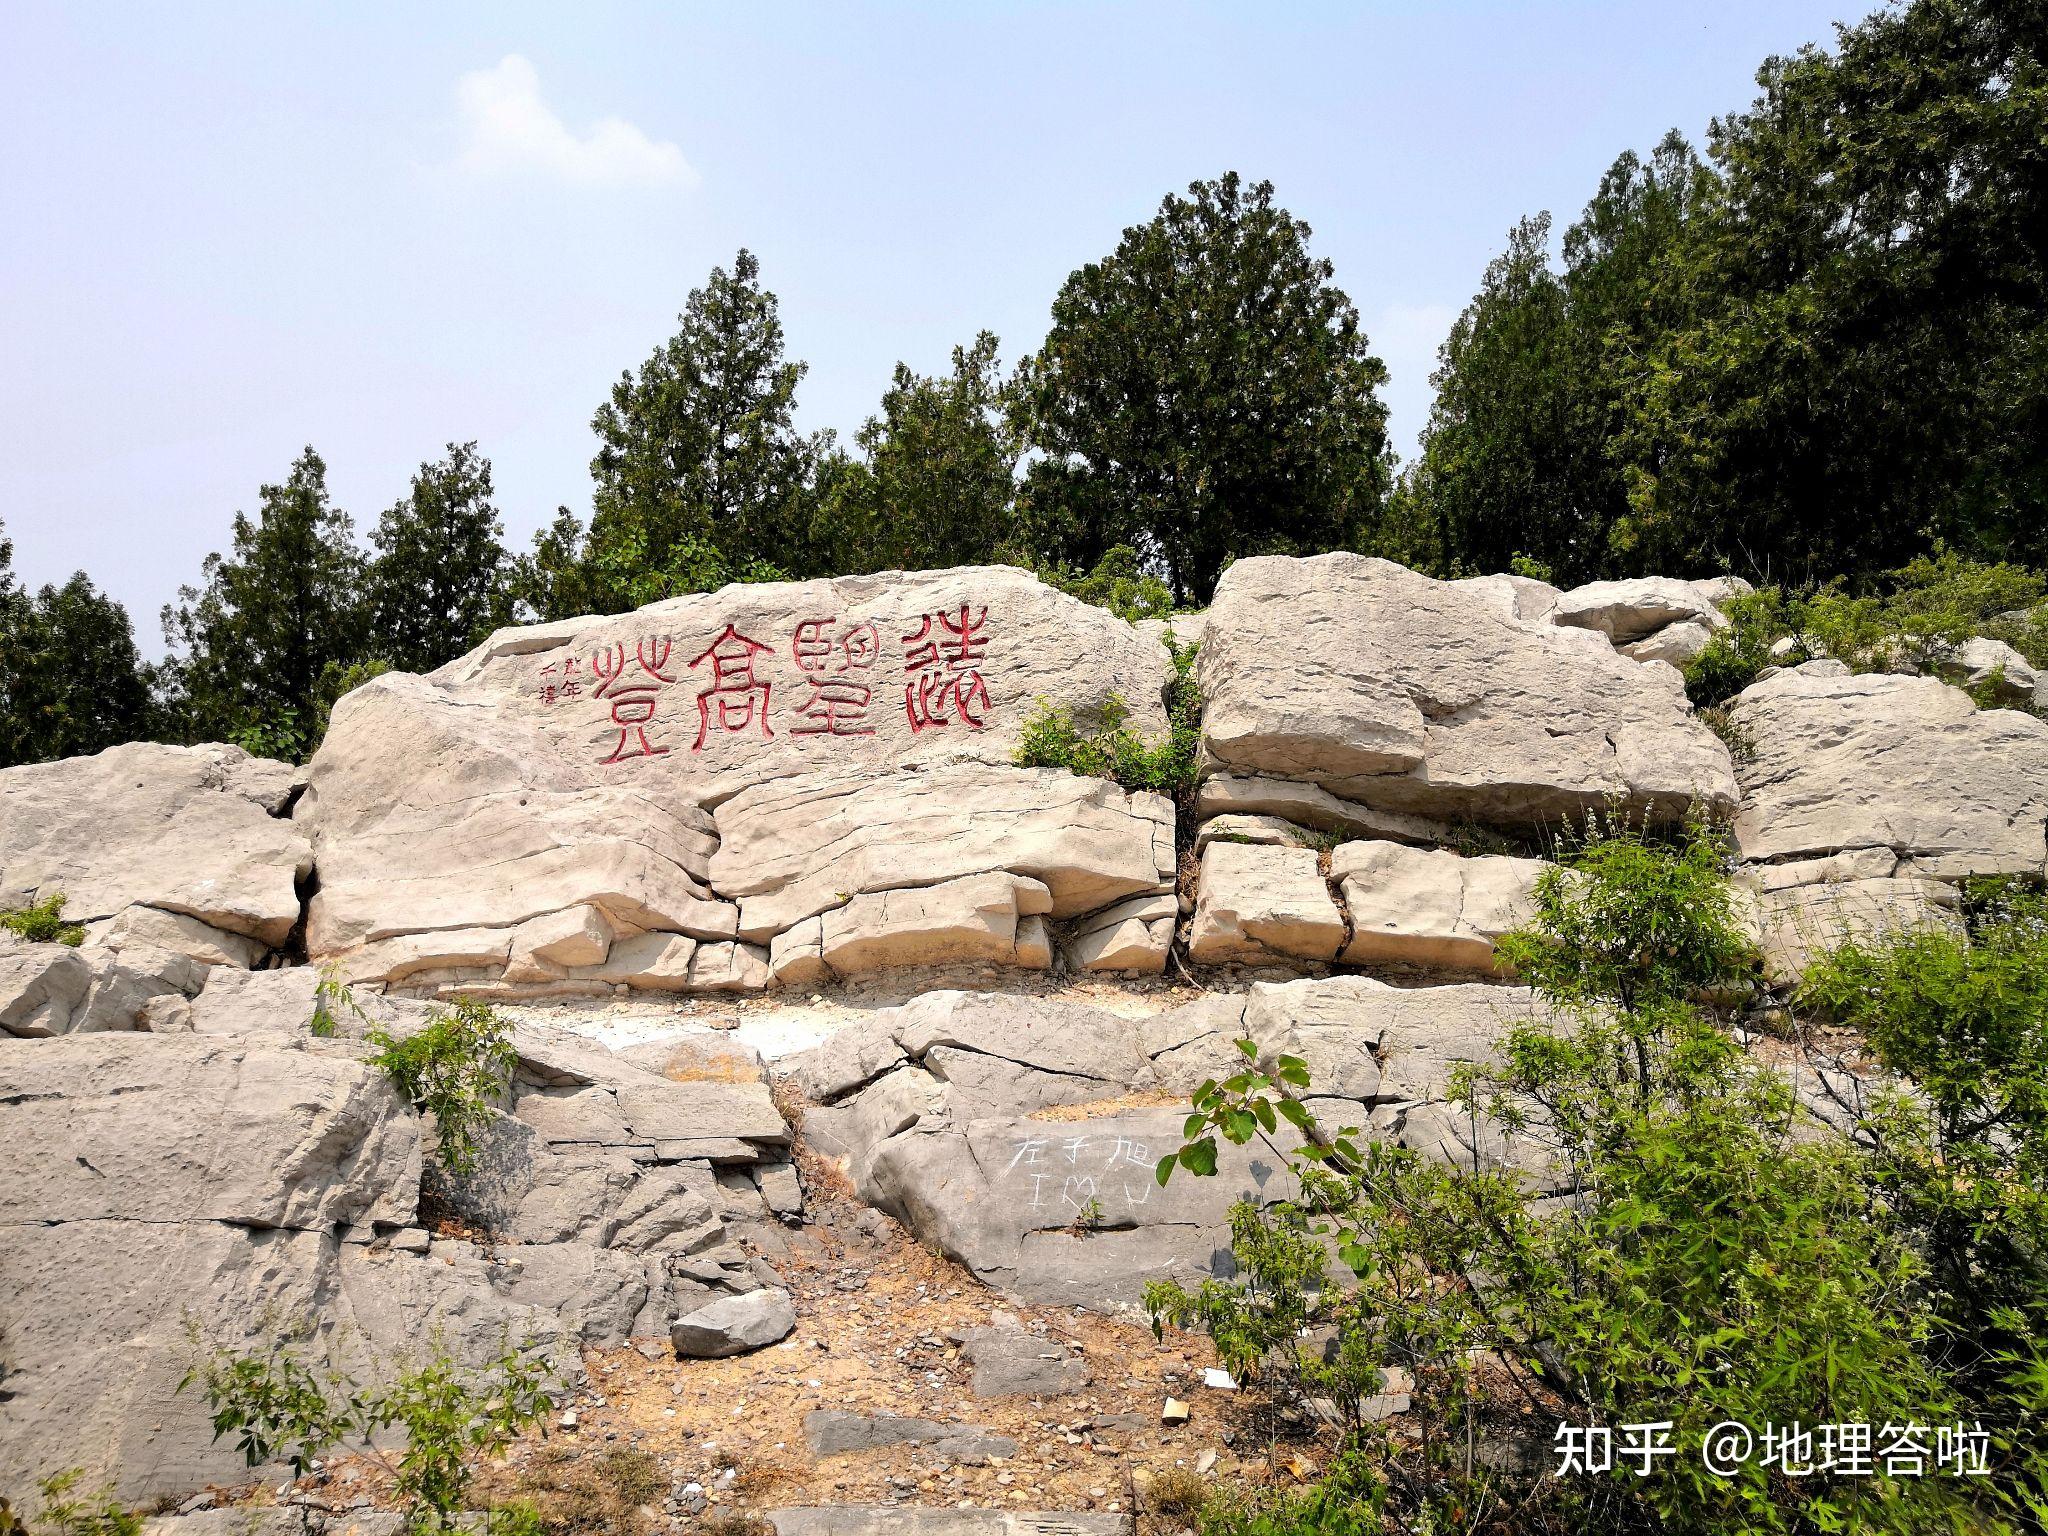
(1437, 699)
(1431, 908)
(724, 769)
(1906, 764)
(1020, 1135)
(1257, 901)
(193, 831)
(1629, 611)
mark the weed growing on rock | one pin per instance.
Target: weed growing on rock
(332, 995)
(277, 1406)
(67, 1511)
(455, 1068)
(1107, 748)
(43, 922)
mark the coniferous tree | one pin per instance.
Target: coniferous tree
(1205, 392)
(438, 581)
(70, 679)
(701, 445)
(938, 478)
(279, 617)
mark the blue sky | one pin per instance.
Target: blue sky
(231, 230)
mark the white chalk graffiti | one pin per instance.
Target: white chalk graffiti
(1110, 1176)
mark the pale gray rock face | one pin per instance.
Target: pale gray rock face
(1878, 761)
(792, 848)
(266, 1184)
(721, 768)
(734, 1325)
(934, 1108)
(1431, 908)
(1723, 590)
(188, 830)
(1980, 663)
(243, 1133)
(1797, 924)
(1423, 697)
(1675, 644)
(53, 989)
(1256, 901)
(143, 1178)
(1626, 611)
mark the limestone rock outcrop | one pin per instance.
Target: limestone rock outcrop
(255, 1182)
(736, 773)
(938, 1110)
(1906, 764)
(1433, 699)
(198, 833)
(1431, 908)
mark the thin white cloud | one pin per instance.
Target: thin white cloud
(509, 129)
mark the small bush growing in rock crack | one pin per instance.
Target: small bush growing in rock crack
(332, 996)
(66, 1511)
(454, 1068)
(1107, 748)
(1707, 1252)
(43, 922)
(277, 1405)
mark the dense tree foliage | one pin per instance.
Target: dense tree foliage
(285, 605)
(1205, 392)
(1809, 357)
(70, 679)
(438, 583)
(939, 475)
(701, 443)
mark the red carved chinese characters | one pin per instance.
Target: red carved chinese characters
(836, 704)
(633, 701)
(558, 681)
(742, 699)
(943, 681)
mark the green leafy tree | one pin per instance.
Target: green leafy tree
(252, 646)
(702, 444)
(1704, 1253)
(1516, 456)
(1860, 366)
(1808, 357)
(939, 474)
(1204, 392)
(438, 579)
(70, 679)
(1963, 1158)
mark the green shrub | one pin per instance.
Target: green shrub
(455, 1068)
(1107, 748)
(1913, 618)
(279, 1407)
(1962, 1159)
(66, 1511)
(43, 922)
(1118, 582)
(1698, 1262)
